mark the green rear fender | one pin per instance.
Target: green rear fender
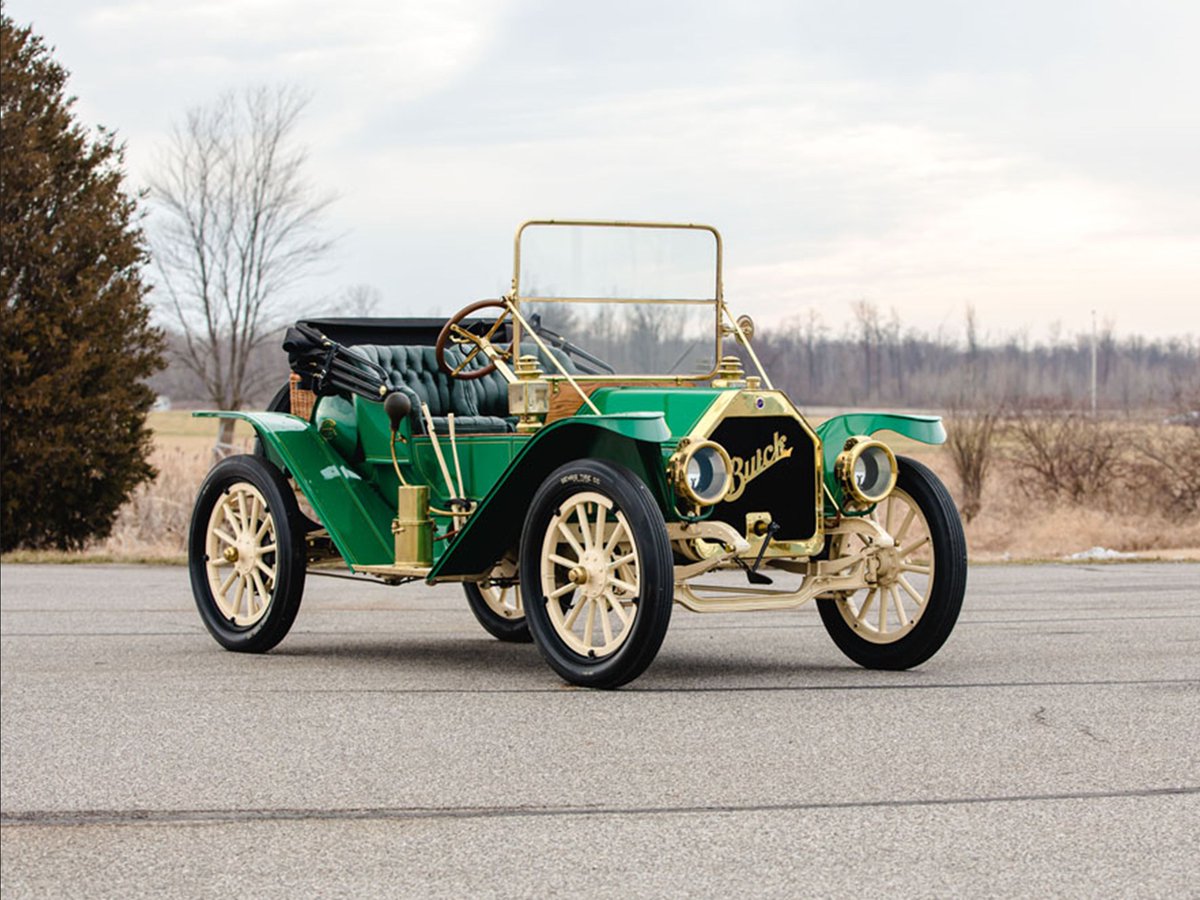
(351, 509)
(633, 440)
(834, 432)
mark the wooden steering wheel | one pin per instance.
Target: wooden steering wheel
(453, 333)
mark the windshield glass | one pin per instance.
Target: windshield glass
(622, 299)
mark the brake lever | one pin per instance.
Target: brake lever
(752, 573)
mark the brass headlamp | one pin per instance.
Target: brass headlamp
(866, 470)
(701, 471)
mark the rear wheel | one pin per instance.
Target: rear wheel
(906, 616)
(596, 571)
(246, 554)
(499, 610)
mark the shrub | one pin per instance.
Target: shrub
(971, 442)
(1166, 469)
(1066, 454)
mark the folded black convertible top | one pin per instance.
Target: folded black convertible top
(327, 367)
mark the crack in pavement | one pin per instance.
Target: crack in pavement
(50, 818)
(1085, 730)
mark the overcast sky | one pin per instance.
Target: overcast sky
(1035, 159)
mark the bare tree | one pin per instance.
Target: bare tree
(867, 314)
(237, 225)
(894, 342)
(359, 300)
(972, 335)
(813, 332)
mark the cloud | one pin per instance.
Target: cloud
(402, 47)
(1035, 160)
(139, 64)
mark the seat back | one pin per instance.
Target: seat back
(479, 404)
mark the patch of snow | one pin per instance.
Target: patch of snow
(1100, 553)
(1191, 419)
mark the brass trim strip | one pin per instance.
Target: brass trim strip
(666, 301)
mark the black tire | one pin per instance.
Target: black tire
(944, 596)
(511, 628)
(637, 528)
(263, 627)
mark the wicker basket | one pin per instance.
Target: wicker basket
(302, 401)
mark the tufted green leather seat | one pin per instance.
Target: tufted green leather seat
(480, 406)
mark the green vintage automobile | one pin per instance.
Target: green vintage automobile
(581, 454)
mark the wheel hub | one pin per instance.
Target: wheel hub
(594, 571)
(246, 552)
(889, 566)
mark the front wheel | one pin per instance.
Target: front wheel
(910, 610)
(596, 573)
(246, 554)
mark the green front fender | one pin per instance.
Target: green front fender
(834, 432)
(633, 440)
(357, 518)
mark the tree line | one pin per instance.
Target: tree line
(888, 367)
(875, 360)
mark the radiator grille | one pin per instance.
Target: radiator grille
(774, 461)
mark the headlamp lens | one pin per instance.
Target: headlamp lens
(873, 473)
(701, 472)
(706, 474)
(866, 471)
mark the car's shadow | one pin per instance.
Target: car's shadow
(447, 652)
(674, 669)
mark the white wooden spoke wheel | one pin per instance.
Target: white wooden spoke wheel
(904, 574)
(590, 574)
(597, 573)
(241, 550)
(246, 554)
(503, 600)
(497, 605)
(915, 586)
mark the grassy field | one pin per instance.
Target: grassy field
(153, 526)
(1011, 526)
(180, 429)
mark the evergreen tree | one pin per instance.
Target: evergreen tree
(75, 339)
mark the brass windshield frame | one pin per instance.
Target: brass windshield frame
(717, 301)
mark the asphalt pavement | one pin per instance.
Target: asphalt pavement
(389, 747)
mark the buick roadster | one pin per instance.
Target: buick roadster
(582, 454)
